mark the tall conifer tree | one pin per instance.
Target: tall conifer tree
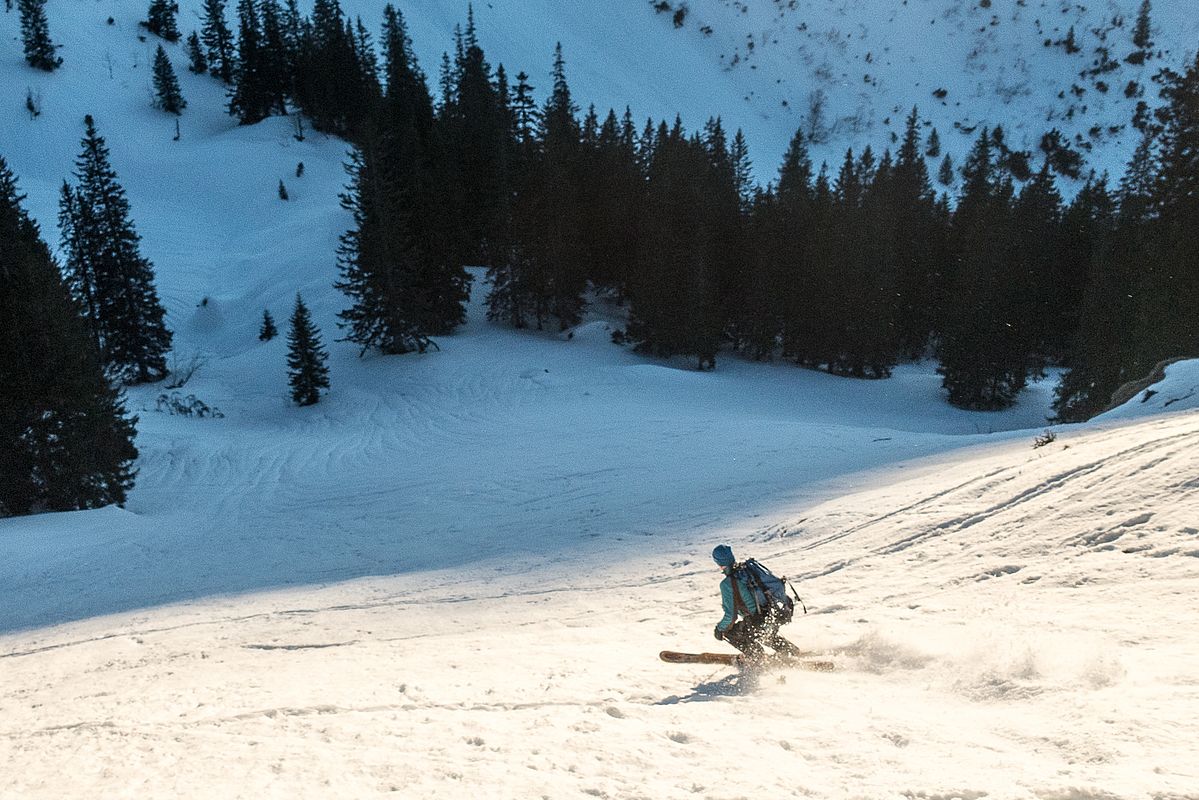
(560, 270)
(513, 297)
(475, 129)
(215, 33)
(274, 57)
(911, 232)
(250, 99)
(65, 440)
(160, 19)
(984, 360)
(794, 276)
(267, 330)
(308, 370)
(1141, 32)
(1037, 276)
(1170, 296)
(166, 86)
(107, 270)
(675, 295)
(197, 60)
(35, 34)
(404, 283)
(1094, 357)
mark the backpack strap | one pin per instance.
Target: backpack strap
(738, 571)
(797, 597)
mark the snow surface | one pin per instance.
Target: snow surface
(451, 578)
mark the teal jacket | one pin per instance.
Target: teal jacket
(726, 602)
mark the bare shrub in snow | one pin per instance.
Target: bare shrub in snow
(190, 406)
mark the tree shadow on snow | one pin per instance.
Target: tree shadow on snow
(738, 683)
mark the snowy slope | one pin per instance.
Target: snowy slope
(756, 64)
(1013, 624)
(873, 61)
(450, 578)
(500, 443)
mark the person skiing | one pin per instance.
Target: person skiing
(744, 625)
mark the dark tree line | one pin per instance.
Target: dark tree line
(851, 273)
(850, 270)
(65, 440)
(1139, 306)
(72, 336)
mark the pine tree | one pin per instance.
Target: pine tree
(308, 371)
(108, 274)
(1141, 32)
(65, 440)
(731, 192)
(160, 19)
(333, 83)
(853, 249)
(907, 220)
(792, 290)
(35, 34)
(512, 297)
(217, 37)
(526, 116)
(743, 174)
(275, 56)
(1086, 231)
(757, 323)
(197, 61)
(945, 175)
(609, 200)
(933, 148)
(80, 275)
(561, 274)
(984, 357)
(475, 129)
(1037, 277)
(166, 85)
(250, 98)
(268, 330)
(675, 289)
(297, 34)
(1170, 292)
(361, 92)
(398, 264)
(1097, 360)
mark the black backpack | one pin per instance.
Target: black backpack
(769, 591)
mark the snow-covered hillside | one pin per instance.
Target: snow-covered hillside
(451, 577)
(758, 65)
(424, 449)
(965, 65)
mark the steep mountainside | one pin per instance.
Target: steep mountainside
(1029, 65)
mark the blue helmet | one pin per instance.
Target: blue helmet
(723, 555)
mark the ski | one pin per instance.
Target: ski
(737, 660)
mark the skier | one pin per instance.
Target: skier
(744, 626)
